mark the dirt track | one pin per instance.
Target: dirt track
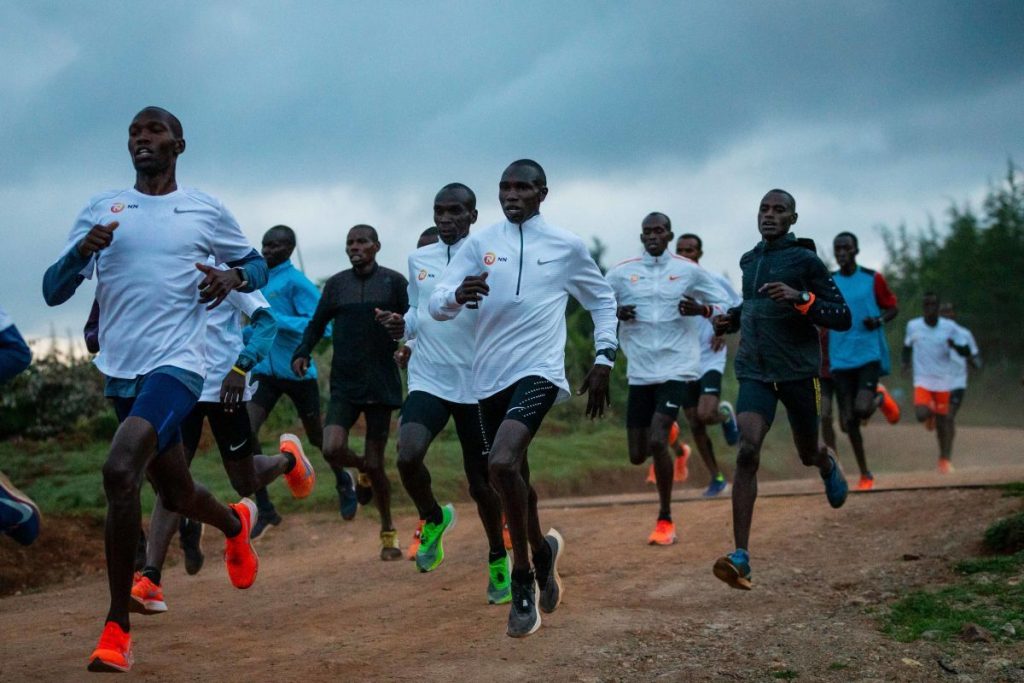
(324, 608)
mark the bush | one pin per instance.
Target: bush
(1006, 535)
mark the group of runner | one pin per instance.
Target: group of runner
(482, 318)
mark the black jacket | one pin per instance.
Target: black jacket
(778, 343)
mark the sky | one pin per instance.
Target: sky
(323, 115)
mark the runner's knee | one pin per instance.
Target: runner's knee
(120, 480)
(748, 457)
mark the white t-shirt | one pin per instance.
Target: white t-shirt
(442, 362)
(934, 367)
(960, 381)
(5, 320)
(147, 281)
(710, 359)
(224, 340)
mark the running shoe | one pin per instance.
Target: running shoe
(523, 617)
(264, 520)
(734, 569)
(431, 552)
(717, 486)
(348, 503)
(549, 584)
(945, 466)
(190, 537)
(364, 489)
(147, 597)
(681, 472)
(835, 483)
(113, 652)
(499, 581)
(239, 553)
(415, 544)
(301, 478)
(664, 533)
(651, 477)
(730, 427)
(866, 483)
(389, 549)
(506, 535)
(889, 407)
(19, 513)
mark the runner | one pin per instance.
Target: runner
(19, 515)
(147, 247)
(519, 273)
(786, 292)
(930, 343)
(660, 296)
(293, 299)
(859, 356)
(440, 388)
(706, 392)
(225, 391)
(364, 377)
(956, 397)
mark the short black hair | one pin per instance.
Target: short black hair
(364, 226)
(432, 231)
(286, 230)
(792, 199)
(465, 188)
(172, 120)
(659, 214)
(847, 233)
(691, 236)
(530, 163)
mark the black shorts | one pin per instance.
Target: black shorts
(344, 413)
(232, 430)
(802, 398)
(647, 399)
(710, 383)
(433, 413)
(304, 393)
(848, 383)
(527, 401)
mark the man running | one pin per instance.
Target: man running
(520, 273)
(859, 356)
(293, 299)
(659, 296)
(222, 403)
(930, 343)
(956, 397)
(440, 388)
(147, 247)
(19, 515)
(364, 377)
(786, 292)
(704, 395)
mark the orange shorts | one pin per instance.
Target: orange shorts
(936, 401)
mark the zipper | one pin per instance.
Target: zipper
(757, 335)
(519, 279)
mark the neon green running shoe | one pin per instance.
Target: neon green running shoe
(499, 581)
(431, 552)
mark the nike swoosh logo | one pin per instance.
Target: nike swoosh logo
(235, 448)
(177, 210)
(674, 277)
(25, 510)
(670, 405)
(543, 263)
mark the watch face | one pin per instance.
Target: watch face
(805, 297)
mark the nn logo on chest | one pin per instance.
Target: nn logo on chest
(490, 258)
(119, 207)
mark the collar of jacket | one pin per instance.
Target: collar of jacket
(367, 276)
(656, 260)
(785, 242)
(535, 222)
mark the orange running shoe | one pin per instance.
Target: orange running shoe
(664, 533)
(147, 597)
(302, 477)
(415, 544)
(113, 652)
(682, 471)
(506, 537)
(945, 466)
(651, 479)
(889, 407)
(239, 555)
(866, 483)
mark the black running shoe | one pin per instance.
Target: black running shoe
(263, 521)
(523, 617)
(190, 537)
(551, 587)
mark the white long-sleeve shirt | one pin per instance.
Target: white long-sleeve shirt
(520, 331)
(442, 362)
(709, 358)
(659, 343)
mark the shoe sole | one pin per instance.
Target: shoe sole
(532, 630)
(651, 541)
(147, 607)
(726, 572)
(554, 573)
(97, 665)
(440, 544)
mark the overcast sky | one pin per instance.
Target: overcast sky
(322, 115)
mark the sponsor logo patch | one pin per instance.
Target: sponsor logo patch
(489, 258)
(117, 208)
(422, 275)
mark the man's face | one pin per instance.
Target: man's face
(930, 308)
(152, 144)
(520, 194)
(845, 251)
(687, 247)
(277, 247)
(655, 235)
(775, 215)
(361, 247)
(426, 240)
(452, 215)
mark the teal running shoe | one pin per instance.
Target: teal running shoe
(717, 486)
(431, 551)
(499, 581)
(734, 569)
(835, 484)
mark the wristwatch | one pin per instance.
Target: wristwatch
(244, 363)
(805, 297)
(241, 276)
(607, 353)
